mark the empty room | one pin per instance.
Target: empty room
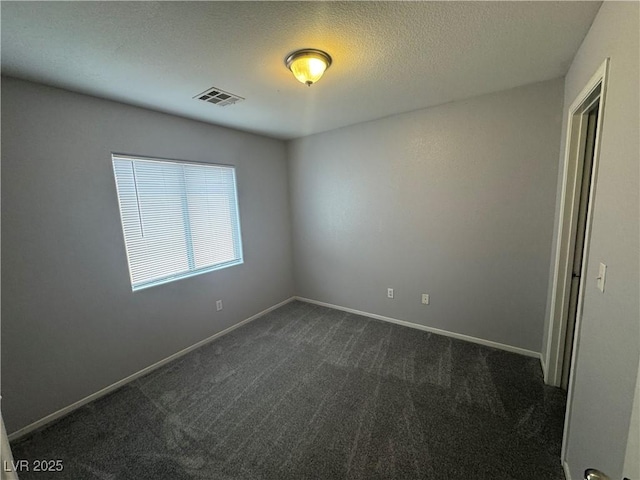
(320, 240)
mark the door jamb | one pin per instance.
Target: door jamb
(569, 202)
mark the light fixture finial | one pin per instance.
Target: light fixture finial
(308, 65)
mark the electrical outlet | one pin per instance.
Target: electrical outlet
(218, 305)
(389, 292)
(425, 299)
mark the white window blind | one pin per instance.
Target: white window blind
(179, 219)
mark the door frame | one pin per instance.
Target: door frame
(595, 89)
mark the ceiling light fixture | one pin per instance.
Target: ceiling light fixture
(308, 65)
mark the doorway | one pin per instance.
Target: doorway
(583, 189)
(572, 242)
(579, 181)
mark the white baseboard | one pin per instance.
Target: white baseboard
(94, 396)
(543, 364)
(446, 333)
(100, 393)
(567, 472)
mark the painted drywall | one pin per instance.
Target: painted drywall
(606, 365)
(8, 472)
(70, 323)
(456, 201)
(631, 468)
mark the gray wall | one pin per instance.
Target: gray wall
(70, 323)
(456, 201)
(632, 457)
(607, 361)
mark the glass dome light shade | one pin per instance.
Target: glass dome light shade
(308, 65)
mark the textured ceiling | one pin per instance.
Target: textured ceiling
(388, 57)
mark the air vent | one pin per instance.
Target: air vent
(218, 97)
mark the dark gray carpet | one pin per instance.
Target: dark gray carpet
(307, 392)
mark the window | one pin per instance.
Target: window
(179, 219)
